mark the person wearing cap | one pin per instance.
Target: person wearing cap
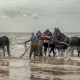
(38, 35)
(34, 45)
(42, 39)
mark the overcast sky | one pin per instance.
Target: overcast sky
(34, 15)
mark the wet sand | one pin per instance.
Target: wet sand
(44, 68)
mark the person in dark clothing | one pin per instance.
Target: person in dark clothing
(38, 35)
(40, 43)
(34, 45)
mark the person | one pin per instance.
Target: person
(34, 45)
(33, 37)
(38, 35)
(42, 40)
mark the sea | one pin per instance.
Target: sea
(17, 39)
(40, 68)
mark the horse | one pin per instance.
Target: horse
(73, 41)
(46, 45)
(4, 41)
(47, 33)
(57, 35)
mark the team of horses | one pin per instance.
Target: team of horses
(60, 41)
(57, 40)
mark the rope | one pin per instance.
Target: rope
(61, 42)
(16, 43)
(25, 51)
(65, 43)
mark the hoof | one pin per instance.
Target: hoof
(45, 54)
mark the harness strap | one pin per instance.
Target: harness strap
(70, 41)
(34, 38)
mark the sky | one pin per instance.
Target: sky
(39, 15)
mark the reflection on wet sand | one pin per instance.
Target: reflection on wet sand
(4, 62)
(21, 73)
(39, 69)
(54, 61)
(4, 73)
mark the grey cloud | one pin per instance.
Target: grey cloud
(35, 16)
(53, 13)
(12, 13)
(4, 17)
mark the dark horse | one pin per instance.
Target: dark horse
(4, 41)
(46, 45)
(72, 41)
(57, 35)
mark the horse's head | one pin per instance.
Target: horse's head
(47, 32)
(56, 34)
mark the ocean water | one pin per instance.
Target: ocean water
(45, 68)
(17, 46)
(16, 42)
(72, 34)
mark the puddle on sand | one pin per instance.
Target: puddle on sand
(39, 69)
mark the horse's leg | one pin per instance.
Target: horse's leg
(69, 48)
(8, 52)
(52, 49)
(50, 52)
(62, 53)
(58, 51)
(45, 50)
(3, 52)
(54, 53)
(72, 51)
(78, 52)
